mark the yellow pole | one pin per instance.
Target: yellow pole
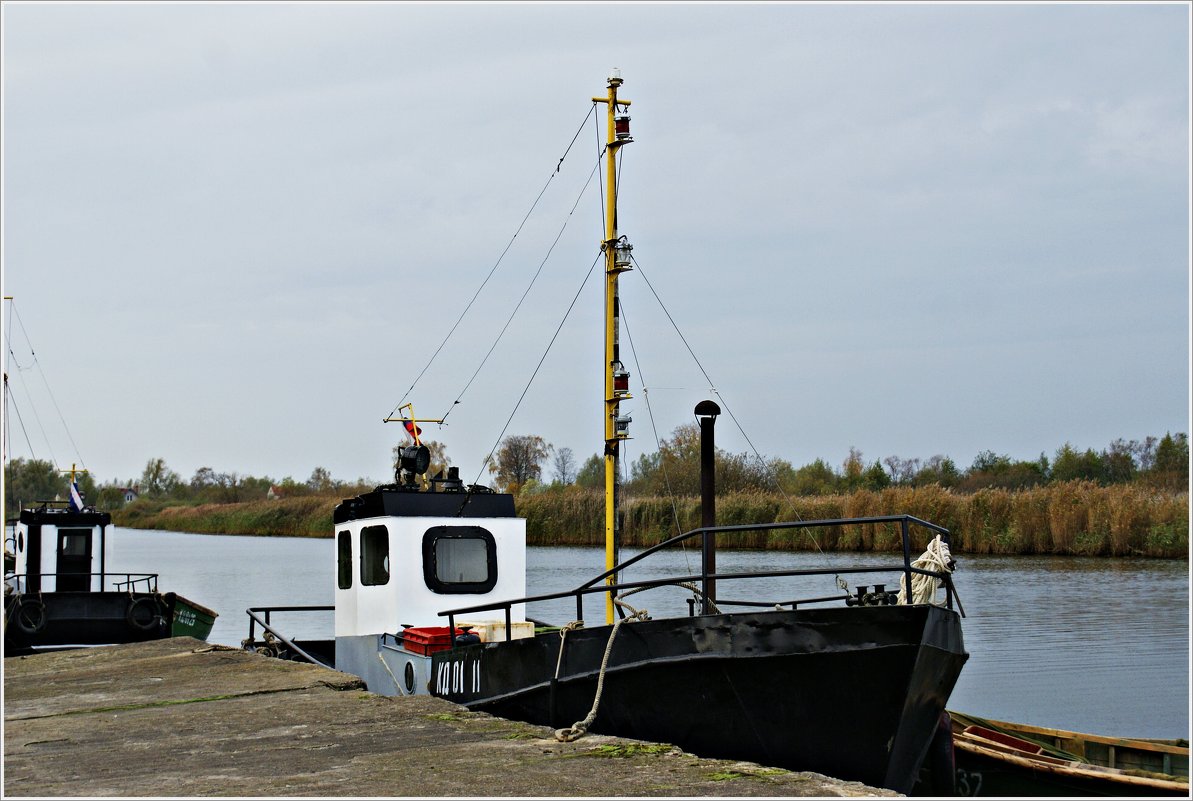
(611, 355)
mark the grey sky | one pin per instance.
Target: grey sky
(235, 233)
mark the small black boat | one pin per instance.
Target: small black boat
(847, 683)
(59, 592)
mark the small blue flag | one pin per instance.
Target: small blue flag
(76, 500)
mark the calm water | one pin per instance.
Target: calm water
(1093, 645)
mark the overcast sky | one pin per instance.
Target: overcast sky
(236, 233)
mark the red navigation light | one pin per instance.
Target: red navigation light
(621, 126)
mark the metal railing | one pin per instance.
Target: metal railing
(266, 624)
(704, 577)
(120, 581)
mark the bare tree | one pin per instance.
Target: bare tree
(1144, 452)
(902, 471)
(519, 459)
(321, 480)
(563, 464)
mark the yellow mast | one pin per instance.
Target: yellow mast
(616, 378)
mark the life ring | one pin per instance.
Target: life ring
(136, 614)
(30, 615)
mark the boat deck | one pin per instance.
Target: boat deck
(178, 717)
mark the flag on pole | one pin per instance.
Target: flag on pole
(414, 431)
(76, 500)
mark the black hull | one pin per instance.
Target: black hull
(85, 618)
(854, 693)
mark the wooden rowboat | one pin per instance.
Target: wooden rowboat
(996, 758)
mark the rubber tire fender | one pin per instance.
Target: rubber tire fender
(135, 608)
(30, 615)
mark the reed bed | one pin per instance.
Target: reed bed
(308, 516)
(1077, 518)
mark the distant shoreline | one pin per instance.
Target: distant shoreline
(1068, 519)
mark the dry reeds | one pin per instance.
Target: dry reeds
(1069, 518)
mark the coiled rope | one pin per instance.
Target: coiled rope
(923, 587)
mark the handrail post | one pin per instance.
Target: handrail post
(903, 526)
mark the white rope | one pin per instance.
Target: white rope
(698, 594)
(563, 633)
(580, 727)
(923, 588)
(401, 690)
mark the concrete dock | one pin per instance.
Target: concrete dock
(180, 717)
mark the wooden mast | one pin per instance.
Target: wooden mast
(616, 378)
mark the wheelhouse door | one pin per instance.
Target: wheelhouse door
(74, 559)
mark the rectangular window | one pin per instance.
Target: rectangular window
(344, 560)
(374, 555)
(459, 559)
(75, 541)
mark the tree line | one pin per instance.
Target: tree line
(28, 482)
(529, 464)
(674, 469)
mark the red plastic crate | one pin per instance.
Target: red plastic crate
(426, 640)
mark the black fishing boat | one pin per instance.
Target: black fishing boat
(60, 593)
(430, 597)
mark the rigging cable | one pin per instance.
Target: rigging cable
(601, 148)
(653, 426)
(4, 424)
(658, 444)
(9, 399)
(12, 360)
(522, 299)
(533, 375)
(769, 471)
(496, 264)
(49, 391)
(37, 419)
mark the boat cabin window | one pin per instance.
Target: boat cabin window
(74, 541)
(459, 559)
(344, 560)
(374, 555)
